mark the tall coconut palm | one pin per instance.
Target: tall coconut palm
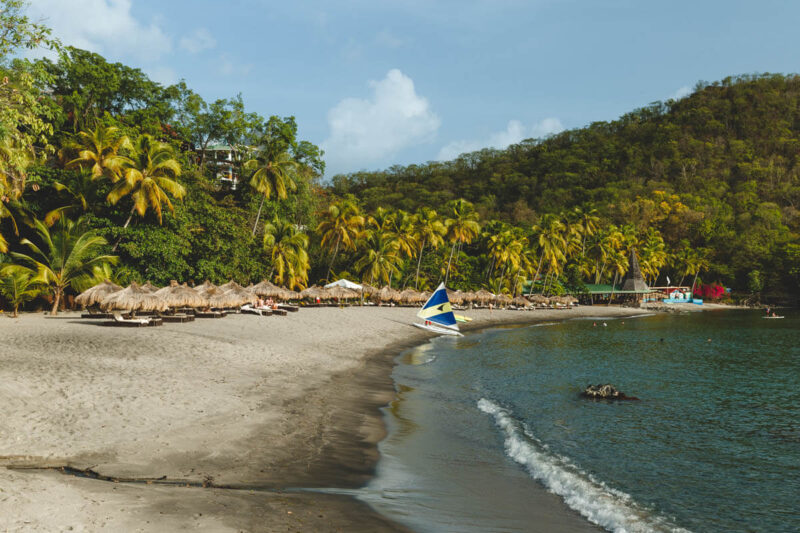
(273, 174)
(342, 224)
(148, 176)
(428, 230)
(552, 244)
(462, 227)
(380, 257)
(82, 191)
(18, 284)
(287, 247)
(99, 150)
(67, 253)
(588, 221)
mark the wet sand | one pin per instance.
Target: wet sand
(210, 424)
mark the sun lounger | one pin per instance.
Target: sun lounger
(178, 317)
(97, 315)
(260, 311)
(279, 312)
(209, 314)
(290, 308)
(129, 322)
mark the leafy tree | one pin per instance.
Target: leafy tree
(148, 176)
(287, 247)
(272, 174)
(462, 227)
(428, 230)
(18, 285)
(65, 254)
(342, 224)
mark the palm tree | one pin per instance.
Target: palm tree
(462, 227)
(587, 221)
(148, 177)
(341, 226)
(552, 244)
(99, 151)
(287, 247)
(428, 230)
(380, 257)
(272, 174)
(67, 254)
(82, 191)
(18, 285)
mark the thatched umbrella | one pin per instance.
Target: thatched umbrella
(520, 301)
(230, 299)
(503, 299)
(149, 287)
(133, 298)
(455, 297)
(368, 289)
(483, 296)
(410, 296)
(176, 295)
(287, 294)
(95, 295)
(341, 293)
(204, 287)
(571, 300)
(230, 285)
(266, 289)
(385, 294)
(539, 299)
(470, 297)
(314, 292)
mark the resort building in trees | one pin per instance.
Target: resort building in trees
(220, 159)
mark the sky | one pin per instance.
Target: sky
(382, 82)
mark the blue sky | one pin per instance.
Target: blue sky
(381, 82)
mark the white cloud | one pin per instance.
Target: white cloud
(201, 39)
(515, 132)
(102, 26)
(367, 131)
(681, 93)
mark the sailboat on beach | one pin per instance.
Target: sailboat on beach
(438, 314)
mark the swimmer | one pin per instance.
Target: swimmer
(605, 325)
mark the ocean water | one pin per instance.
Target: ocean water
(489, 432)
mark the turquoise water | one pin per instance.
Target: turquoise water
(488, 424)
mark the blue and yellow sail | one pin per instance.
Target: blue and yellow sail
(438, 310)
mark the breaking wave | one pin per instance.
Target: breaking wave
(607, 507)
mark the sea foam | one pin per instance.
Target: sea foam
(611, 509)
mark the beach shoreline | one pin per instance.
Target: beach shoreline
(262, 405)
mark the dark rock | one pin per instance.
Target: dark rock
(605, 392)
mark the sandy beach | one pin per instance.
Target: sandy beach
(205, 425)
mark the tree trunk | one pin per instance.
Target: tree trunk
(447, 273)
(16, 314)
(333, 258)
(127, 222)
(56, 300)
(694, 282)
(533, 282)
(258, 215)
(419, 263)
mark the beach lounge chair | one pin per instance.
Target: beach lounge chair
(260, 311)
(129, 322)
(209, 314)
(177, 317)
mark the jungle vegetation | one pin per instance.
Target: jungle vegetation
(97, 157)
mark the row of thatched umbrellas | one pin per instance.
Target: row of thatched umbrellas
(147, 297)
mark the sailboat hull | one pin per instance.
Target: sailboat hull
(438, 329)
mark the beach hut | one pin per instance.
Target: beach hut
(95, 295)
(133, 298)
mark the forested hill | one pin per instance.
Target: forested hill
(729, 152)
(728, 140)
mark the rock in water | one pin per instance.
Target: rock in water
(605, 392)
